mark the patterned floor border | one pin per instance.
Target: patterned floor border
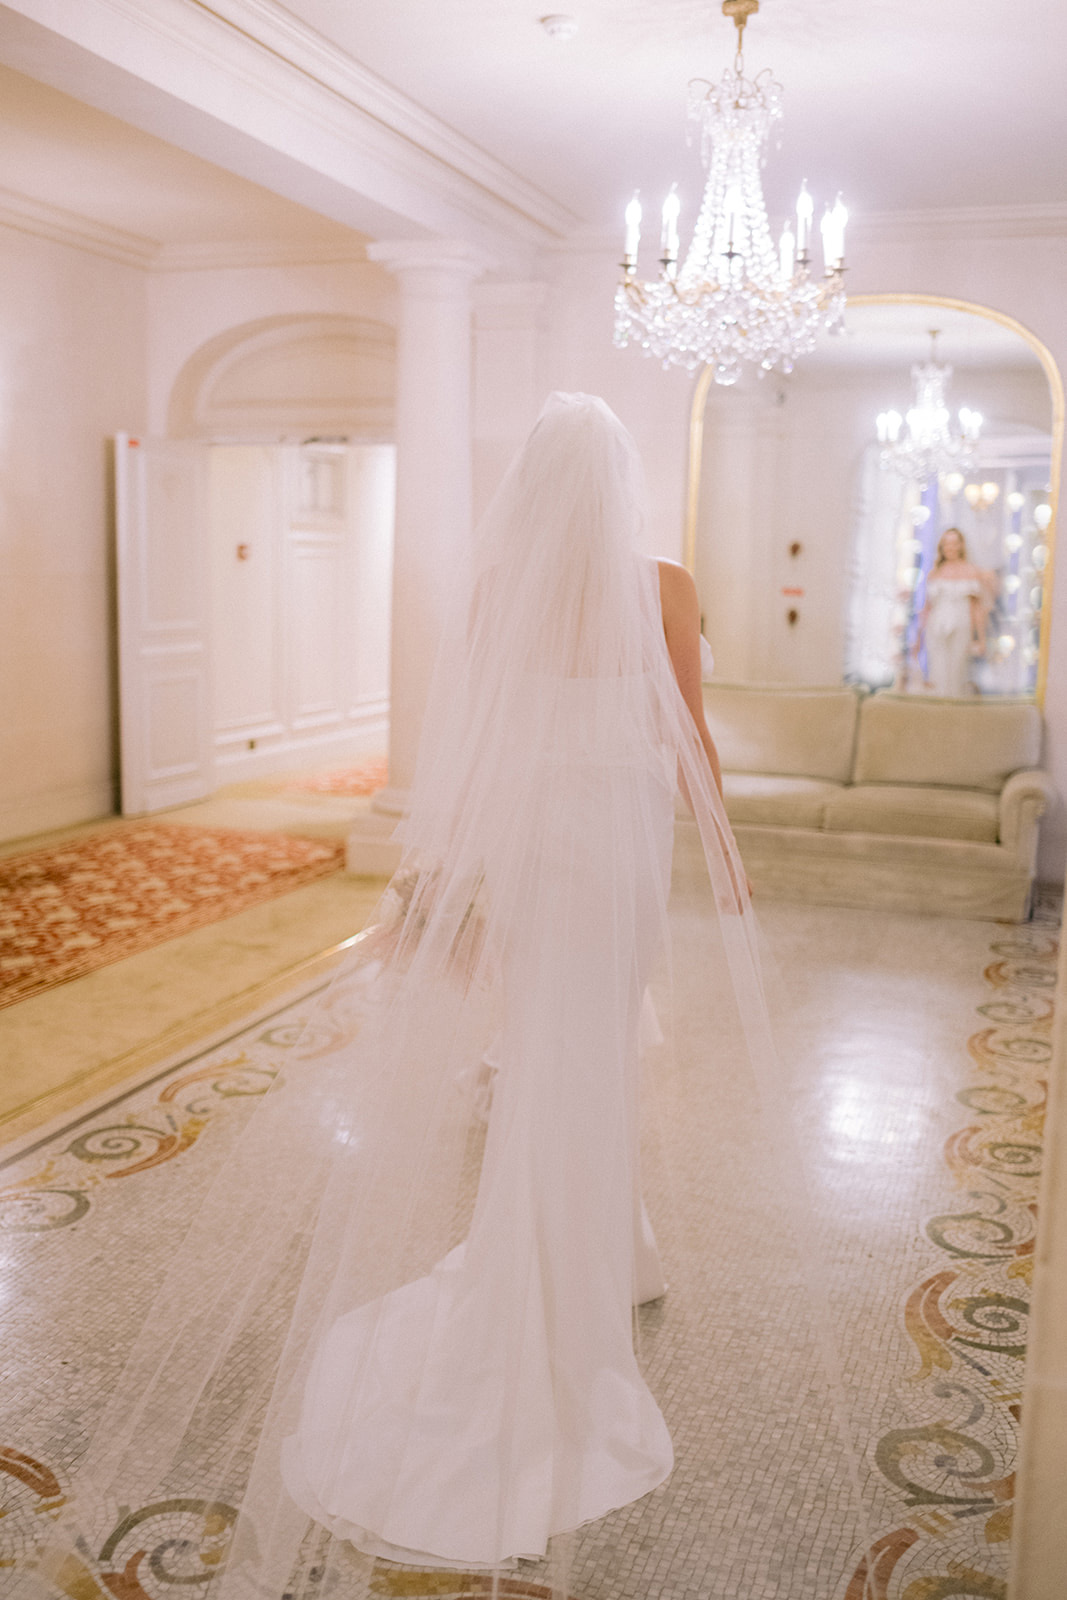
(951, 1462)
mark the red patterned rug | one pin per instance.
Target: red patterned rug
(365, 779)
(67, 910)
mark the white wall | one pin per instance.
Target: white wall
(72, 373)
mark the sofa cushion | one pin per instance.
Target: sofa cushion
(921, 811)
(793, 732)
(959, 744)
(762, 798)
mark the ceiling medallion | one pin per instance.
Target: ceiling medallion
(931, 445)
(736, 297)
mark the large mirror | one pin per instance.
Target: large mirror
(884, 514)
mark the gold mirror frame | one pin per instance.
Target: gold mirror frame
(1055, 383)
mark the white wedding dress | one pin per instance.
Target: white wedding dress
(504, 1403)
(949, 633)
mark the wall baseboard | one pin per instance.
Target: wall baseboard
(56, 808)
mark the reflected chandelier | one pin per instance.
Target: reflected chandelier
(736, 297)
(931, 445)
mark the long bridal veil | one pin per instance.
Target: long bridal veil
(399, 1325)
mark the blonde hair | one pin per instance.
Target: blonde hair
(941, 546)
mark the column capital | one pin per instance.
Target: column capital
(424, 260)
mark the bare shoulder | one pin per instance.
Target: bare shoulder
(677, 590)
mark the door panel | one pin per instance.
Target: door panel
(163, 613)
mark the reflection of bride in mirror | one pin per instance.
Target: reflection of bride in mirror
(952, 620)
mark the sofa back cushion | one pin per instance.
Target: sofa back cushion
(782, 729)
(959, 744)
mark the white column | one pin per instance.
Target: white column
(508, 387)
(433, 498)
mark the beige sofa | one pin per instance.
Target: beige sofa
(904, 802)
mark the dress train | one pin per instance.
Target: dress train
(467, 1417)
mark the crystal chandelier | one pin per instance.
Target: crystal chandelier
(736, 297)
(931, 445)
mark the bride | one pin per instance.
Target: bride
(952, 620)
(401, 1323)
(503, 1395)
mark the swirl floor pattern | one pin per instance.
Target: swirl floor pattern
(919, 1055)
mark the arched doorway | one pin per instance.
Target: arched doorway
(255, 560)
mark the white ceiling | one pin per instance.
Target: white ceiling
(903, 104)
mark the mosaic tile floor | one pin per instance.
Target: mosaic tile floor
(918, 1054)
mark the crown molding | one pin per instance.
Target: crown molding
(47, 221)
(278, 31)
(1041, 221)
(30, 215)
(244, 84)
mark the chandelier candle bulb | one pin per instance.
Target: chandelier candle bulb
(1042, 516)
(832, 227)
(970, 422)
(840, 216)
(669, 237)
(805, 212)
(787, 250)
(633, 230)
(889, 424)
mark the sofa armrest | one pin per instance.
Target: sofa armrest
(1023, 801)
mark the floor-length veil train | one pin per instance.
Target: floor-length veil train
(400, 1323)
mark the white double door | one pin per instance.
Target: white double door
(253, 606)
